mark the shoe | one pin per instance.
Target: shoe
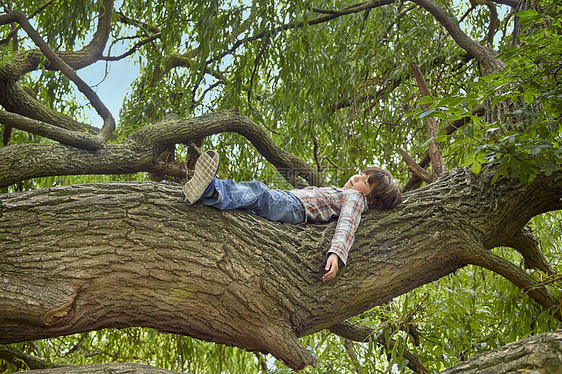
(205, 171)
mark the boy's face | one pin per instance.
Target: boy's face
(358, 182)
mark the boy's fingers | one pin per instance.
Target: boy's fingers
(331, 268)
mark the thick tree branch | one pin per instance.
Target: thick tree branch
(15, 98)
(63, 136)
(112, 368)
(141, 152)
(540, 353)
(141, 257)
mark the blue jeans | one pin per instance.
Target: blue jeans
(256, 197)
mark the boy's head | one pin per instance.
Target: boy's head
(385, 192)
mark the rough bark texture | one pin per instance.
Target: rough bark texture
(87, 257)
(114, 368)
(538, 354)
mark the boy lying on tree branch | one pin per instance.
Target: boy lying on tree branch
(374, 188)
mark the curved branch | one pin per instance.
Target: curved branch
(16, 99)
(109, 123)
(167, 133)
(132, 50)
(527, 245)
(484, 55)
(515, 275)
(140, 152)
(63, 136)
(27, 61)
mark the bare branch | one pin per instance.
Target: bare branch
(109, 122)
(132, 50)
(438, 165)
(418, 171)
(63, 136)
(485, 56)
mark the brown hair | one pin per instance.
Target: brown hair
(385, 192)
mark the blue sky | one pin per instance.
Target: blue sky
(112, 89)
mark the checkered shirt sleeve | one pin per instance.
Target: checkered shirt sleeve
(353, 204)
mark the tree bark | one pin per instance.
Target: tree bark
(537, 354)
(81, 258)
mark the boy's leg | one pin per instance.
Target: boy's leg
(280, 206)
(202, 181)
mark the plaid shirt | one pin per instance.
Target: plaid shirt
(321, 204)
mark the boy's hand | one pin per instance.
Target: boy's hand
(331, 267)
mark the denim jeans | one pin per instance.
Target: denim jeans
(256, 197)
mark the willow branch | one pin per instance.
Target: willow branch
(63, 136)
(515, 275)
(485, 56)
(23, 360)
(109, 122)
(27, 61)
(418, 171)
(438, 165)
(360, 333)
(416, 181)
(184, 60)
(140, 152)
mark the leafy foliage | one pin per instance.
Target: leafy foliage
(339, 94)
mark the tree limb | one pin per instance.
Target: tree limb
(140, 152)
(63, 136)
(484, 55)
(539, 353)
(27, 61)
(23, 360)
(528, 246)
(437, 163)
(111, 368)
(415, 181)
(418, 171)
(109, 123)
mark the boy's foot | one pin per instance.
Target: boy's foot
(205, 170)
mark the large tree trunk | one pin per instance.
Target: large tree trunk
(87, 257)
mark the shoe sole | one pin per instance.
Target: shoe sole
(205, 170)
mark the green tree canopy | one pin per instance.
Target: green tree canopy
(321, 90)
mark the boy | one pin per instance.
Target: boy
(375, 187)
